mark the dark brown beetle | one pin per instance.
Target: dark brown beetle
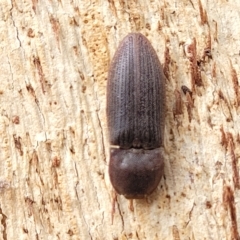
(135, 112)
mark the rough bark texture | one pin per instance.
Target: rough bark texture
(54, 149)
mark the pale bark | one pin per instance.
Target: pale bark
(54, 148)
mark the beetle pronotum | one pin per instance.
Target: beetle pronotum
(135, 114)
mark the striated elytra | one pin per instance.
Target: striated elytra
(135, 114)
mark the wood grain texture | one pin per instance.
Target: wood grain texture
(54, 58)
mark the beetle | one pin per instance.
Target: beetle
(135, 117)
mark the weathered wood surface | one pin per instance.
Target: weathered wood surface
(54, 149)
